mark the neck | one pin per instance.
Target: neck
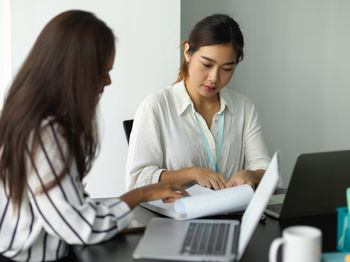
(202, 103)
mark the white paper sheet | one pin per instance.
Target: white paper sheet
(216, 202)
(205, 202)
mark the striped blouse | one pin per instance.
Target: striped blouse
(45, 223)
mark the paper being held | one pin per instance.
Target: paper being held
(204, 202)
(227, 200)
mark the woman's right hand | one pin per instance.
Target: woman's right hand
(165, 191)
(208, 178)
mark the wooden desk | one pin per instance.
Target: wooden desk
(121, 247)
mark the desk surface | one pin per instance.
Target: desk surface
(121, 247)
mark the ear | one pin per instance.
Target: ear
(186, 52)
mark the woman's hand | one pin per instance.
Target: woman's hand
(165, 191)
(208, 178)
(249, 177)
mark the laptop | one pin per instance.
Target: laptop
(317, 186)
(208, 239)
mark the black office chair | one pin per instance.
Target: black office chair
(127, 124)
(5, 259)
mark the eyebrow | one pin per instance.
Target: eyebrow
(212, 60)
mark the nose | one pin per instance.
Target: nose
(213, 75)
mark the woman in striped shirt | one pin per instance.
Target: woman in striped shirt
(48, 141)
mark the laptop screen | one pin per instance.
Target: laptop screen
(258, 204)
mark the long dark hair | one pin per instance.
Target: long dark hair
(61, 79)
(213, 30)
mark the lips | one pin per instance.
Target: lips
(209, 88)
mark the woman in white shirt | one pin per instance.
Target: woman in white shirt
(48, 141)
(198, 130)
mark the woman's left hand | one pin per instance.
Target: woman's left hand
(249, 177)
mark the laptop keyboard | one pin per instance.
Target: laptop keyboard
(206, 239)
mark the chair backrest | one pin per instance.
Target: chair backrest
(5, 259)
(127, 124)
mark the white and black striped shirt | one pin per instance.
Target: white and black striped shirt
(46, 222)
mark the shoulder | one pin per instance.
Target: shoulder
(48, 123)
(157, 100)
(49, 127)
(51, 135)
(234, 99)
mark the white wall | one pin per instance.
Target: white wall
(296, 69)
(147, 59)
(5, 48)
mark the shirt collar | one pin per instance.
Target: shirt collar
(226, 100)
(183, 100)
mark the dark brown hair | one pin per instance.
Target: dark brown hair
(213, 30)
(61, 78)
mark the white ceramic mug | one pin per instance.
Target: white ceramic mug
(300, 243)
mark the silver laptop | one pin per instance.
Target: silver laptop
(208, 239)
(317, 186)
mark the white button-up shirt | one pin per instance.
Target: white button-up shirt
(165, 136)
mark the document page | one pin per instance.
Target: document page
(204, 202)
(227, 200)
(168, 209)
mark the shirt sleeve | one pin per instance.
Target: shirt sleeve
(256, 153)
(145, 154)
(63, 210)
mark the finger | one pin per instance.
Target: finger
(171, 197)
(183, 191)
(222, 179)
(168, 199)
(221, 184)
(232, 183)
(214, 184)
(251, 184)
(205, 183)
(175, 194)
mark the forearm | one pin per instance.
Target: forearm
(181, 177)
(133, 197)
(202, 176)
(59, 212)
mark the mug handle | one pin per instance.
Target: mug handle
(274, 248)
